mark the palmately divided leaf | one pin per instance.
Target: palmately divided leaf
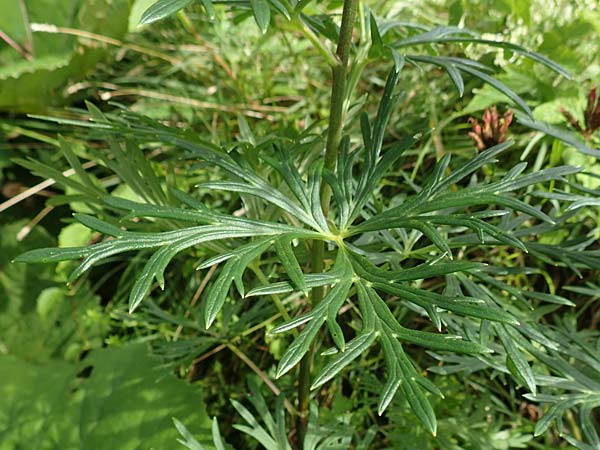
(300, 345)
(271, 195)
(405, 378)
(461, 305)
(516, 362)
(441, 35)
(232, 271)
(286, 255)
(332, 301)
(422, 338)
(311, 280)
(375, 165)
(394, 380)
(353, 350)
(371, 272)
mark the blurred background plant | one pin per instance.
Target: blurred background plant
(222, 77)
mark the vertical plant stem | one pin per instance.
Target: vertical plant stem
(337, 112)
(27, 23)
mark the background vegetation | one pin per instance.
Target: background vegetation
(79, 370)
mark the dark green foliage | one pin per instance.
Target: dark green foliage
(355, 271)
(31, 81)
(123, 402)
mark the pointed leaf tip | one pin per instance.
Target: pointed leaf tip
(262, 14)
(161, 9)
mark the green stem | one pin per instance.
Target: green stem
(314, 39)
(337, 112)
(278, 303)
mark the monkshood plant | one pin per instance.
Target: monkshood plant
(316, 203)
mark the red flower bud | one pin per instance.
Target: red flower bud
(494, 129)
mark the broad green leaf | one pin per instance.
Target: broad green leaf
(162, 9)
(128, 372)
(60, 409)
(262, 14)
(35, 83)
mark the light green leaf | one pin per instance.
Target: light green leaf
(286, 255)
(515, 361)
(209, 8)
(311, 280)
(188, 440)
(353, 350)
(499, 86)
(262, 14)
(559, 133)
(162, 9)
(59, 409)
(233, 270)
(331, 302)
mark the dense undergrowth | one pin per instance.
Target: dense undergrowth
(300, 225)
